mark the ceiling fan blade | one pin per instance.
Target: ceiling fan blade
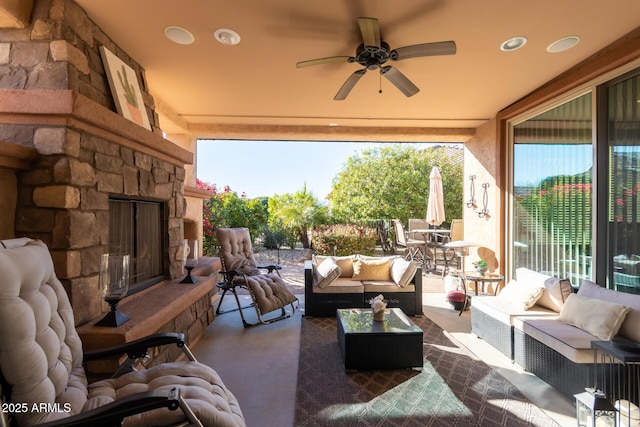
(370, 31)
(349, 84)
(328, 60)
(399, 80)
(424, 49)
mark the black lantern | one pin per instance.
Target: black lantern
(594, 410)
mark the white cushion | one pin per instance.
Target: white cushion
(327, 272)
(522, 295)
(402, 271)
(600, 318)
(629, 328)
(555, 292)
(344, 262)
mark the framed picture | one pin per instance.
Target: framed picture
(125, 89)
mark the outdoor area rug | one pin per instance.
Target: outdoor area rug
(453, 389)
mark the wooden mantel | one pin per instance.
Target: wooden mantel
(16, 157)
(71, 109)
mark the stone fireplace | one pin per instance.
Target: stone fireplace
(84, 162)
(65, 154)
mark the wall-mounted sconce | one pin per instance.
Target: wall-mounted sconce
(485, 201)
(472, 193)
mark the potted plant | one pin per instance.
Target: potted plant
(481, 267)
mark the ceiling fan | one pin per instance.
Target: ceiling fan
(373, 53)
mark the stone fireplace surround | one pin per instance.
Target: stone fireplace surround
(86, 153)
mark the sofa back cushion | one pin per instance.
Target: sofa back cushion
(629, 328)
(556, 291)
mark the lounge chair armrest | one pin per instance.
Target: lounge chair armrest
(270, 267)
(138, 348)
(113, 413)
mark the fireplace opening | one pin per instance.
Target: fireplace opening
(138, 228)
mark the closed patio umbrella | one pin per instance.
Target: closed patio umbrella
(435, 204)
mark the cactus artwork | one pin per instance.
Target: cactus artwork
(125, 89)
(129, 91)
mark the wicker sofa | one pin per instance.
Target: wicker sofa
(554, 343)
(359, 278)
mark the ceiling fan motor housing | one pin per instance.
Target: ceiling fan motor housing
(372, 57)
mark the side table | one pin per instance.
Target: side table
(482, 278)
(617, 374)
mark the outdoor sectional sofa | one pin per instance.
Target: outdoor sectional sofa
(351, 281)
(549, 333)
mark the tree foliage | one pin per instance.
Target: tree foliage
(296, 213)
(393, 182)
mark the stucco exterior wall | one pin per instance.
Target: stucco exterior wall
(482, 159)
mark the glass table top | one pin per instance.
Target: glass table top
(360, 321)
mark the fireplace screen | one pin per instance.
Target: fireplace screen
(137, 228)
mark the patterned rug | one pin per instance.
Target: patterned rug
(453, 389)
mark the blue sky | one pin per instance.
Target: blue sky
(535, 162)
(265, 168)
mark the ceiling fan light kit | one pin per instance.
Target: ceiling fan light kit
(374, 52)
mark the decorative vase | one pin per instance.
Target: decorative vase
(378, 316)
(481, 270)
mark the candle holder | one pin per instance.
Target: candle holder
(114, 284)
(190, 259)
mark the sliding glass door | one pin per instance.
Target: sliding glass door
(552, 191)
(623, 134)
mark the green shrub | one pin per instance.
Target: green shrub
(343, 239)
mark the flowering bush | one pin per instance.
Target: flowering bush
(227, 209)
(343, 239)
(378, 303)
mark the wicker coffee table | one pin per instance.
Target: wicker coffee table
(365, 344)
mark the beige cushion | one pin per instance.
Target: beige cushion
(402, 271)
(371, 269)
(327, 272)
(556, 291)
(344, 262)
(522, 295)
(600, 318)
(629, 328)
(41, 355)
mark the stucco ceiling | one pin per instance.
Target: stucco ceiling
(257, 82)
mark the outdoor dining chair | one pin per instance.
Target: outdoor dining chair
(416, 249)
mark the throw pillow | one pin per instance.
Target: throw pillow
(371, 269)
(344, 262)
(521, 295)
(600, 318)
(327, 272)
(629, 328)
(556, 292)
(402, 271)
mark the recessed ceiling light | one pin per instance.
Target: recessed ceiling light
(227, 36)
(563, 44)
(513, 43)
(179, 35)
